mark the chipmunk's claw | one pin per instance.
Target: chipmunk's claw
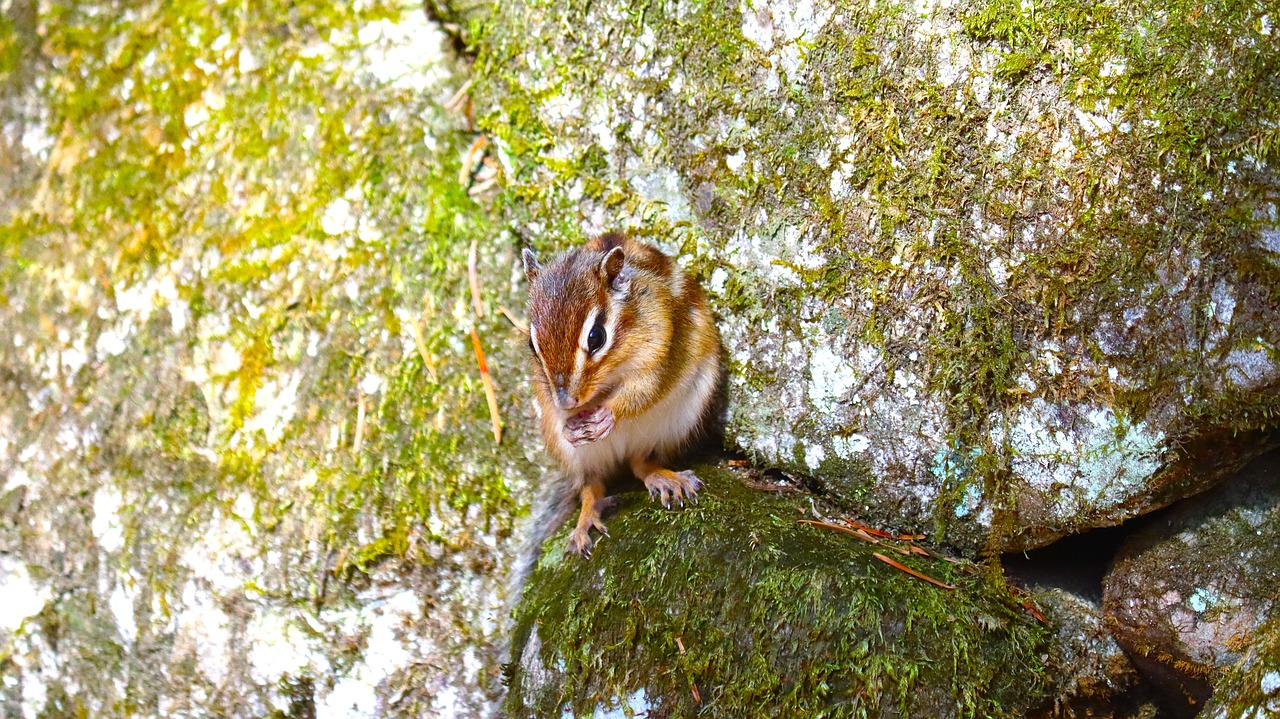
(665, 485)
(579, 543)
(580, 538)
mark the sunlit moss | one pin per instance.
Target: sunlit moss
(233, 299)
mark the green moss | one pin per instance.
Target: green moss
(1241, 691)
(765, 616)
(262, 388)
(930, 198)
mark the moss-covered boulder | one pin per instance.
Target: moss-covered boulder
(732, 607)
(1097, 679)
(1002, 270)
(247, 466)
(1251, 687)
(1188, 593)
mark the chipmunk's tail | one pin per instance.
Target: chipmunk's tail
(553, 504)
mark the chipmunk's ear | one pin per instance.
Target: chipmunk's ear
(611, 266)
(531, 266)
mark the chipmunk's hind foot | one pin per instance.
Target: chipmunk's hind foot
(580, 538)
(593, 503)
(665, 485)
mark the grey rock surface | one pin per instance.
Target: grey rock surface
(1097, 678)
(1189, 592)
(246, 463)
(989, 272)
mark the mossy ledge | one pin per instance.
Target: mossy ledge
(732, 608)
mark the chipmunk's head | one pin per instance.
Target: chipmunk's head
(577, 324)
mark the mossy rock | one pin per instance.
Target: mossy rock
(732, 608)
(1251, 688)
(996, 271)
(1190, 593)
(247, 465)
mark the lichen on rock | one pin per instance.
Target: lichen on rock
(246, 464)
(1017, 258)
(1189, 595)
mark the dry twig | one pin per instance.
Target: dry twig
(358, 442)
(844, 530)
(520, 326)
(883, 534)
(469, 160)
(912, 572)
(421, 344)
(489, 391)
(456, 101)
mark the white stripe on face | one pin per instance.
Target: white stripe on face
(537, 351)
(608, 331)
(609, 324)
(586, 328)
(580, 358)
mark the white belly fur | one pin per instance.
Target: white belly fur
(666, 426)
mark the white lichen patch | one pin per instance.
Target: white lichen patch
(107, 524)
(970, 502)
(1270, 683)
(1202, 599)
(784, 31)
(338, 218)
(736, 160)
(814, 456)
(831, 379)
(382, 619)
(405, 53)
(121, 604)
(204, 633)
(1083, 461)
(275, 403)
(662, 186)
(23, 598)
(225, 554)
(279, 647)
(846, 447)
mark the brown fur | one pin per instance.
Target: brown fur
(663, 335)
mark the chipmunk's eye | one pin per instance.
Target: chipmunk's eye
(595, 340)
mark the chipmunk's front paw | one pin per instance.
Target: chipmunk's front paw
(665, 485)
(580, 537)
(589, 426)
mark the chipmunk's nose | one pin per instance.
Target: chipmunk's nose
(564, 401)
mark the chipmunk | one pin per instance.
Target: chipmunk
(625, 357)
